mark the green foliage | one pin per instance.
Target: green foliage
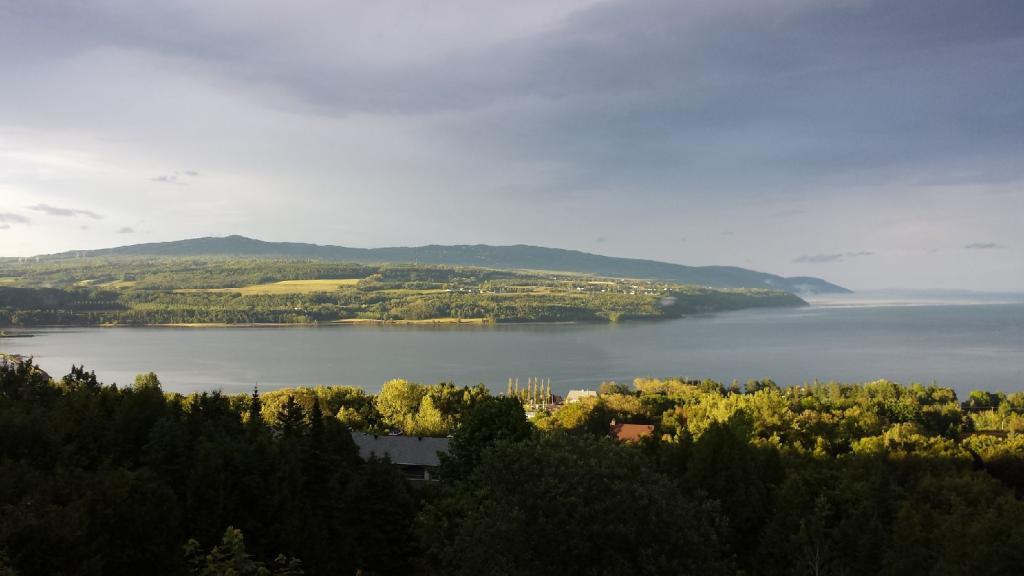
(828, 478)
(398, 402)
(602, 503)
(229, 558)
(424, 410)
(148, 381)
(486, 423)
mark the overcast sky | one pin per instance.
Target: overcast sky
(875, 144)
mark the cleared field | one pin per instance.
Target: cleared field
(284, 287)
(119, 284)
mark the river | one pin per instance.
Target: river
(979, 345)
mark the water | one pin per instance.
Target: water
(978, 346)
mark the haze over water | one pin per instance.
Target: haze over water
(965, 346)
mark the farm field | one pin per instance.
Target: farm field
(283, 287)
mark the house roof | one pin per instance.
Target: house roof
(632, 432)
(402, 450)
(577, 395)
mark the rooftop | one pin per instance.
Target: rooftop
(402, 450)
(631, 432)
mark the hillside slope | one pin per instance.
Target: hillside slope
(502, 257)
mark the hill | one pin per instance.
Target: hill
(517, 257)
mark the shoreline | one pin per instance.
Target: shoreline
(374, 322)
(333, 323)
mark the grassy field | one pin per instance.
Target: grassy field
(283, 287)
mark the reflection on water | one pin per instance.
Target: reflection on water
(963, 346)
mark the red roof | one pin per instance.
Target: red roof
(632, 432)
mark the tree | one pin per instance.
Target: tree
(20, 379)
(79, 379)
(147, 381)
(380, 508)
(962, 524)
(726, 466)
(291, 418)
(613, 388)
(429, 419)
(616, 514)
(229, 558)
(255, 411)
(489, 421)
(398, 402)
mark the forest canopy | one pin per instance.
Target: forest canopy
(826, 478)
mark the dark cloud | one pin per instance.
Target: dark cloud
(126, 230)
(67, 212)
(11, 218)
(722, 115)
(659, 90)
(601, 239)
(824, 258)
(983, 246)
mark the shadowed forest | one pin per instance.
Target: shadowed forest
(874, 478)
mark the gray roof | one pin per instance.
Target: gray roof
(403, 450)
(577, 395)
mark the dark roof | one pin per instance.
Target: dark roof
(403, 450)
(632, 432)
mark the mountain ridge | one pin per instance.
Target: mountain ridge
(517, 256)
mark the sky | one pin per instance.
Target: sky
(877, 144)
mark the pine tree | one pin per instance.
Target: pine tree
(291, 419)
(316, 426)
(255, 409)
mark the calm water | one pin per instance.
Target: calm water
(963, 346)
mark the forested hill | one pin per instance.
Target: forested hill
(482, 255)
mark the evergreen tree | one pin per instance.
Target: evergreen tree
(255, 419)
(291, 418)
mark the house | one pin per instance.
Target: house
(416, 456)
(631, 432)
(577, 395)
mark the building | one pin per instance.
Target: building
(631, 432)
(577, 395)
(416, 456)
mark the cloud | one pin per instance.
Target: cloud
(788, 213)
(179, 177)
(67, 212)
(601, 239)
(983, 246)
(11, 218)
(823, 258)
(126, 230)
(5, 226)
